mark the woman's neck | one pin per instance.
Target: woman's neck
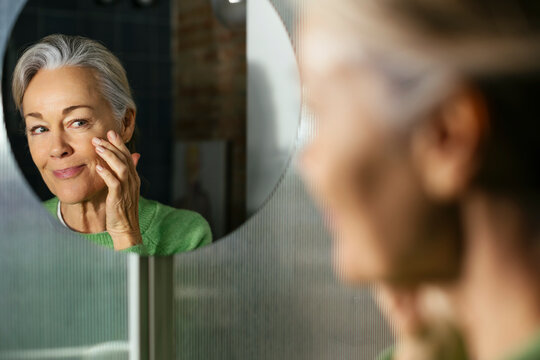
(88, 216)
(498, 296)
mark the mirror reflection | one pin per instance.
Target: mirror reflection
(170, 138)
(79, 121)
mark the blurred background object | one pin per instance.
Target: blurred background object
(230, 13)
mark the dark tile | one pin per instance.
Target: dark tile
(163, 81)
(32, 5)
(99, 6)
(59, 4)
(164, 9)
(25, 30)
(137, 73)
(144, 114)
(153, 35)
(153, 10)
(53, 24)
(163, 40)
(165, 112)
(125, 5)
(135, 38)
(101, 29)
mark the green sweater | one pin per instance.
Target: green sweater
(530, 352)
(165, 230)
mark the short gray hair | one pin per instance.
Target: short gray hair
(493, 45)
(58, 50)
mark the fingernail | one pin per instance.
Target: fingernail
(100, 149)
(96, 141)
(112, 135)
(99, 167)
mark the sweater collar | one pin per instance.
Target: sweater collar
(147, 211)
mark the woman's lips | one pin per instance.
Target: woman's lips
(68, 172)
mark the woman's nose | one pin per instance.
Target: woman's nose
(59, 146)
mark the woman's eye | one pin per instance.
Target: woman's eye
(79, 123)
(36, 130)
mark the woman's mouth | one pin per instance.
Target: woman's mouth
(68, 172)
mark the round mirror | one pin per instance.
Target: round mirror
(215, 133)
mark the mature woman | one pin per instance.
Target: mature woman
(76, 102)
(427, 157)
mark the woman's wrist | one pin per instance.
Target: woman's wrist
(125, 241)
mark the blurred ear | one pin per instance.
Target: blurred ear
(446, 147)
(128, 125)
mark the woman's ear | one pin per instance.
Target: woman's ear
(446, 147)
(128, 125)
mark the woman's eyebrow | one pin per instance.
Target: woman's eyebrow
(71, 108)
(36, 115)
(64, 112)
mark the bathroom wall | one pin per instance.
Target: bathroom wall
(209, 73)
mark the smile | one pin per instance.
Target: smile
(68, 172)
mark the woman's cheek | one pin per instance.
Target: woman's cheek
(38, 150)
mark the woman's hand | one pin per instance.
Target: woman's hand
(424, 322)
(122, 204)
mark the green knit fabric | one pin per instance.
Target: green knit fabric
(530, 352)
(387, 354)
(165, 230)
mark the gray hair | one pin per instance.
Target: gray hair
(433, 44)
(58, 50)
(468, 36)
(493, 45)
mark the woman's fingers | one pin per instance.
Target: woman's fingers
(117, 141)
(117, 156)
(123, 182)
(135, 157)
(111, 181)
(119, 166)
(107, 145)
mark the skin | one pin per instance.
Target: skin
(364, 173)
(423, 317)
(404, 209)
(70, 124)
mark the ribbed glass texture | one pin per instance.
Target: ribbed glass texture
(268, 290)
(60, 296)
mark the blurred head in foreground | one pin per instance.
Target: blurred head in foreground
(429, 127)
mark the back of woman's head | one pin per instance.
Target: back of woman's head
(492, 45)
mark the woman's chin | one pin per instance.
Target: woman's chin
(74, 197)
(356, 264)
(70, 198)
(353, 270)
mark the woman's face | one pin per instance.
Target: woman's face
(63, 111)
(361, 170)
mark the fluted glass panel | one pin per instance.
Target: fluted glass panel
(268, 290)
(60, 296)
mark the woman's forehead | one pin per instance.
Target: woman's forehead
(62, 87)
(324, 49)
